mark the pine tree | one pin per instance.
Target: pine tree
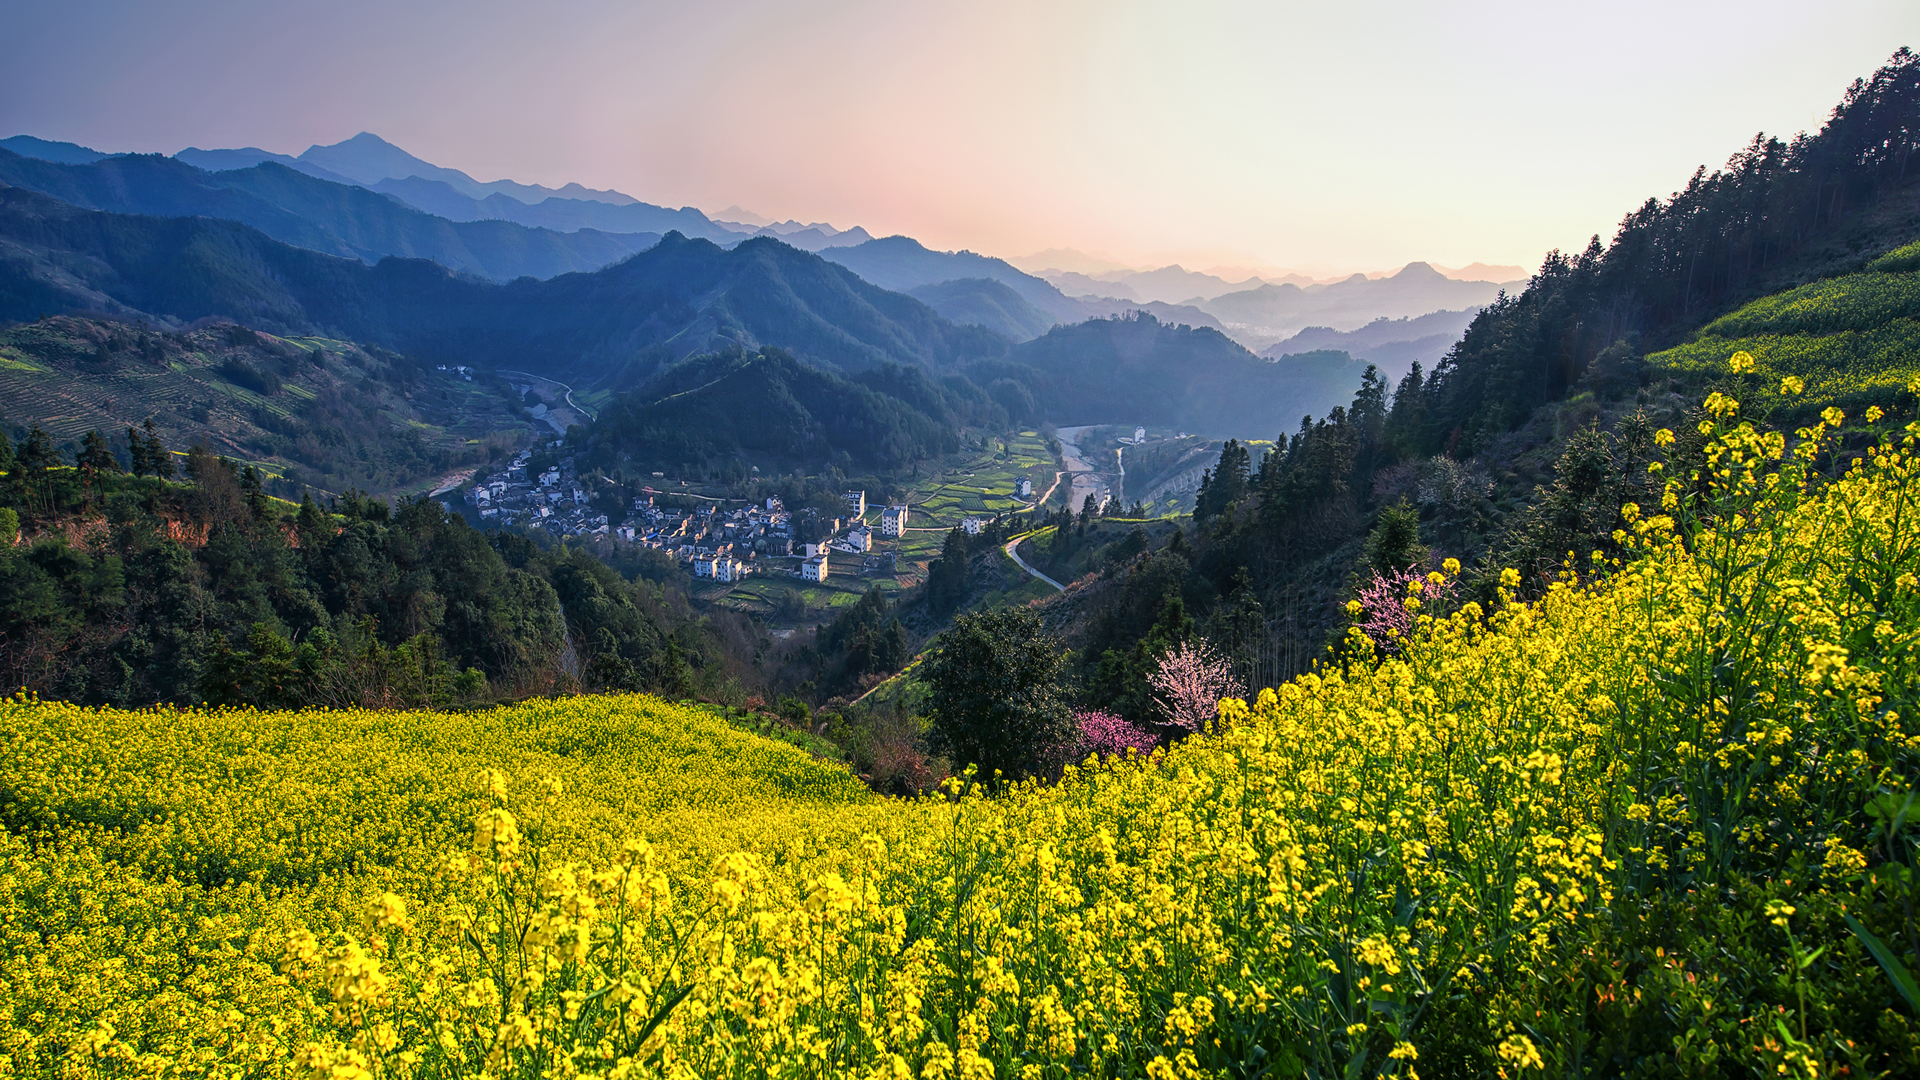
(137, 453)
(95, 456)
(159, 458)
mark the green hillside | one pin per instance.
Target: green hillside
(727, 409)
(1853, 340)
(312, 411)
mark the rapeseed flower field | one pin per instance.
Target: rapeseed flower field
(1652, 823)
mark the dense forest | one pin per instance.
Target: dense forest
(725, 412)
(131, 588)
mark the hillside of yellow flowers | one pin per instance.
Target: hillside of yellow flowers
(1657, 823)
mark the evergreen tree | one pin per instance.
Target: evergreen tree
(95, 456)
(159, 458)
(947, 575)
(1394, 544)
(137, 459)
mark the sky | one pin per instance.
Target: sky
(1318, 136)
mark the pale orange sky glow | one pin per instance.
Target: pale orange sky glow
(1314, 136)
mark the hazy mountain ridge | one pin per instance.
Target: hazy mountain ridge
(367, 159)
(370, 162)
(338, 219)
(64, 153)
(1349, 304)
(903, 263)
(985, 302)
(614, 326)
(564, 215)
(1394, 345)
(1138, 370)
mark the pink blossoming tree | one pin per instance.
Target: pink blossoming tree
(1189, 682)
(1107, 735)
(1383, 612)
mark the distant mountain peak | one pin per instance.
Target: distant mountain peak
(62, 153)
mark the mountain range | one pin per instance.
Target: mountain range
(610, 327)
(1277, 311)
(337, 242)
(1168, 284)
(306, 211)
(495, 236)
(618, 327)
(366, 198)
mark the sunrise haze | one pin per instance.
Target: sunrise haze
(1263, 136)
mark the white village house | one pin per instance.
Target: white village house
(893, 520)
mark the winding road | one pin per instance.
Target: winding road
(1014, 554)
(566, 393)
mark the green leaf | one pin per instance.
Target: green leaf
(1897, 972)
(1895, 808)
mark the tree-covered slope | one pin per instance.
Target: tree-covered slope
(1779, 214)
(768, 408)
(1137, 370)
(339, 219)
(311, 411)
(988, 303)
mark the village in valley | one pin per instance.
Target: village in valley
(747, 553)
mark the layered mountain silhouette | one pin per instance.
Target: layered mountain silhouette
(336, 218)
(557, 213)
(65, 153)
(498, 273)
(368, 161)
(1136, 369)
(988, 303)
(901, 262)
(1351, 303)
(1394, 345)
(614, 326)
